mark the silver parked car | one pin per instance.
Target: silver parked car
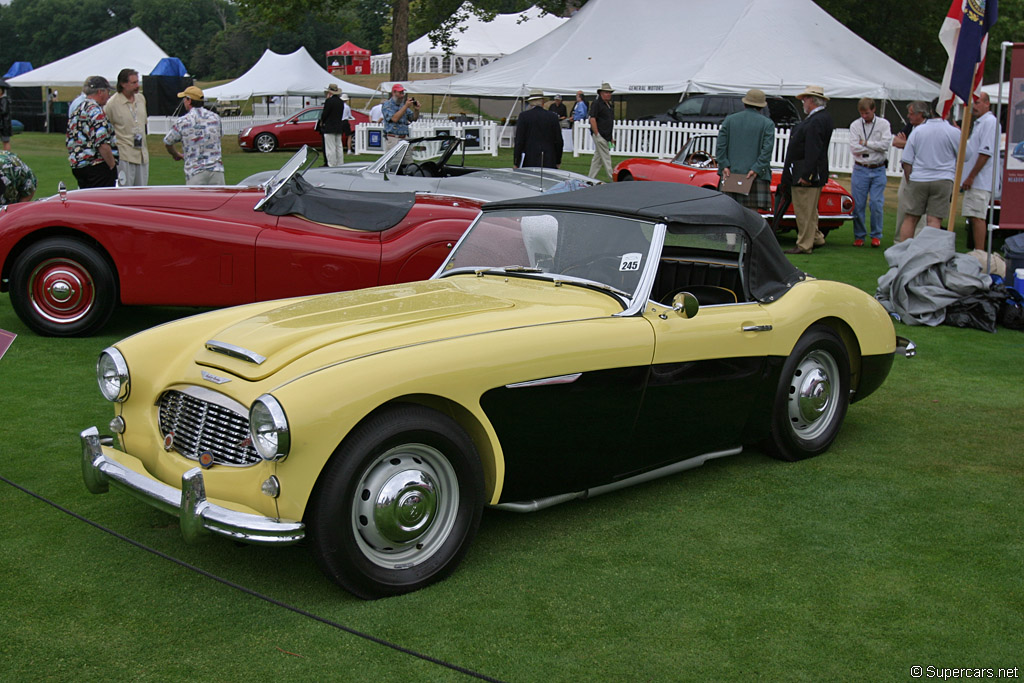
(437, 165)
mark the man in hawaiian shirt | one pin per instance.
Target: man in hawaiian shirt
(92, 150)
(399, 112)
(17, 181)
(199, 132)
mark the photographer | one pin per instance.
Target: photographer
(399, 112)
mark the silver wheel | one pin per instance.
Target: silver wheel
(814, 397)
(405, 506)
(265, 142)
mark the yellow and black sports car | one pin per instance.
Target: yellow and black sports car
(541, 363)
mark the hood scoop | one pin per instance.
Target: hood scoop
(258, 346)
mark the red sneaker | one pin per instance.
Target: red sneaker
(875, 242)
(858, 243)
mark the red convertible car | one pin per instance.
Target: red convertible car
(68, 260)
(696, 165)
(292, 133)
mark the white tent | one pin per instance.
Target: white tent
(678, 46)
(275, 74)
(479, 43)
(132, 49)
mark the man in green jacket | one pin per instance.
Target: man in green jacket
(744, 146)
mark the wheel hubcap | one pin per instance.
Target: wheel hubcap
(813, 394)
(405, 506)
(61, 290)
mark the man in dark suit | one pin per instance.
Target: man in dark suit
(806, 167)
(538, 135)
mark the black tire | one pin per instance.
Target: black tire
(812, 397)
(426, 469)
(625, 176)
(63, 287)
(265, 142)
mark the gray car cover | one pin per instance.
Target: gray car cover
(926, 275)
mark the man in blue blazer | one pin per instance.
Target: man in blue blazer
(806, 167)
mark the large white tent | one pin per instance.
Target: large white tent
(276, 74)
(678, 46)
(132, 49)
(478, 43)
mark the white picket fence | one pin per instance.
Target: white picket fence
(481, 136)
(664, 140)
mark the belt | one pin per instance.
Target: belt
(870, 165)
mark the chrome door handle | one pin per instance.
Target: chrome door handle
(757, 328)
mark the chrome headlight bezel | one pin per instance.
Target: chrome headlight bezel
(268, 427)
(112, 375)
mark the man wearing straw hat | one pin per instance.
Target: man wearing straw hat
(806, 167)
(602, 126)
(332, 126)
(744, 146)
(538, 135)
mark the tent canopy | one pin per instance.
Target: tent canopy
(17, 69)
(169, 66)
(678, 46)
(474, 37)
(132, 49)
(292, 74)
(348, 49)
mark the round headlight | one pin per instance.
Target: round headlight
(112, 375)
(268, 426)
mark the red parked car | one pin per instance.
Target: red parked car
(68, 260)
(292, 133)
(696, 165)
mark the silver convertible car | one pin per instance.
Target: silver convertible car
(437, 165)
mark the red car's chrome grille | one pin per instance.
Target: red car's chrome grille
(196, 426)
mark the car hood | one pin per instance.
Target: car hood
(177, 198)
(374, 320)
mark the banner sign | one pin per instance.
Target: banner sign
(1012, 204)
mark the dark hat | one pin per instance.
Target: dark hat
(95, 84)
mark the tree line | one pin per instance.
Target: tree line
(219, 39)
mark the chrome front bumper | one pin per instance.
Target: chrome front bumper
(196, 514)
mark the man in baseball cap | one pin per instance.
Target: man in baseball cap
(92, 149)
(399, 111)
(199, 132)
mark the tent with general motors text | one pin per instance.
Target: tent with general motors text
(477, 43)
(132, 49)
(681, 46)
(292, 74)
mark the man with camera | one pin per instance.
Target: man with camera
(126, 111)
(870, 138)
(399, 111)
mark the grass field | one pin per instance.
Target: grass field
(902, 546)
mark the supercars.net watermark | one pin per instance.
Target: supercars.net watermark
(950, 673)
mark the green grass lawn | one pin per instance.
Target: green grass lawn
(901, 546)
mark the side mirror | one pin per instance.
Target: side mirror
(685, 304)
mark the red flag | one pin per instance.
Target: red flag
(964, 34)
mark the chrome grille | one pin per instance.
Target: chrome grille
(198, 425)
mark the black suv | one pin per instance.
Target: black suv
(714, 108)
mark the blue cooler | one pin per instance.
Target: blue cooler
(1018, 280)
(1013, 252)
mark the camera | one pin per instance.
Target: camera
(415, 102)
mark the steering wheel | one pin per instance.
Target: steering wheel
(700, 160)
(411, 169)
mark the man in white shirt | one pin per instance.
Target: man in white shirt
(376, 115)
(870, 138)
(929, 165)
(977, 185)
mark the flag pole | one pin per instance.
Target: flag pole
(965, 130)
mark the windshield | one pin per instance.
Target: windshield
(699, 152)
(290, 168)
(419, 151)
(607, 250)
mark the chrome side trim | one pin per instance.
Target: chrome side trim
(234, 351)
(643, 289)
(197, 515)
(561, 379)
(682, 465)
(905, 347)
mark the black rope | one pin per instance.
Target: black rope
(249, 591)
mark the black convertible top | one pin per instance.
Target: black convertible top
(683, 208)
(370, 211)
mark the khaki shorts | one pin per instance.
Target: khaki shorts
(929, 198)
(976, 203)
